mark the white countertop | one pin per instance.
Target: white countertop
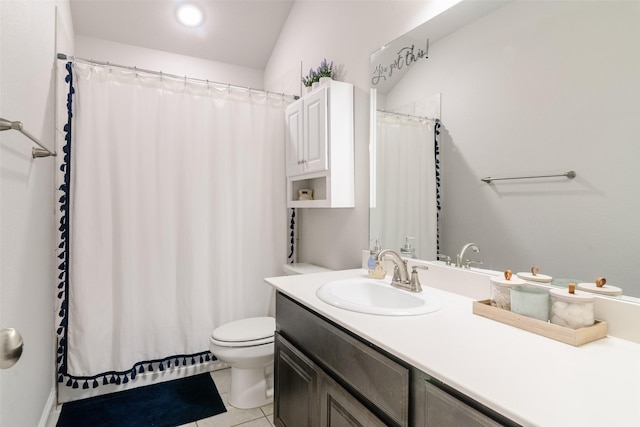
(533, 380)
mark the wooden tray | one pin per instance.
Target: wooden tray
(575, 337)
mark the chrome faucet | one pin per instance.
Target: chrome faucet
(400, 274)
(447, 258)
(460, 256)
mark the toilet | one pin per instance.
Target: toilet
(247, 346)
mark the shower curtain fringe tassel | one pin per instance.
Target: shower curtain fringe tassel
(436, 147)
(123, 377)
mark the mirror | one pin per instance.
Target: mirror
(525, 89)
(403, 180)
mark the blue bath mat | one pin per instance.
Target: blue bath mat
(166, 404)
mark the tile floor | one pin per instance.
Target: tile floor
(258, 417)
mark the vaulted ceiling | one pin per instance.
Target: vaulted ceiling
(238, 32)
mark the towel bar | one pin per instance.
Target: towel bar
(570, 175)
(35, 152)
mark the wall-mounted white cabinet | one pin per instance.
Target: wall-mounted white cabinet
(320, 148)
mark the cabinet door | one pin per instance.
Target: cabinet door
(444, 410)
(294, 138)
(315, 131)
(296, 387)
(338, 408)
(373, 376)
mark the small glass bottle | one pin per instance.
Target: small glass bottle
(571, 308)
(372, 262)
(407, 250)
(501, 289)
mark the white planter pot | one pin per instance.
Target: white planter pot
(324, 81)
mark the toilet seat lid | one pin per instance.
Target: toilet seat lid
(251, 329)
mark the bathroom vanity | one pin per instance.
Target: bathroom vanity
(322, 379)
(449, 367)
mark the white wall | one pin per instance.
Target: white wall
(167, 62)
(344, 32)
(27, 225)
(540, 88)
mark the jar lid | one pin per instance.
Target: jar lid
(578, 296)
(501, 281)
(603, 290)
(543, 278)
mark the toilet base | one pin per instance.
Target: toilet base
(251, 388)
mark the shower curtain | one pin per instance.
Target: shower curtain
(406, 184)
(174, 211)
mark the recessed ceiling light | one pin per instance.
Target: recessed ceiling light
(189, 15)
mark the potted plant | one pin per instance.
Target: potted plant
(320, 76)
(325, 71)
(308, 80)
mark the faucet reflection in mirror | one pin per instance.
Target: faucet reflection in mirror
(461, 262)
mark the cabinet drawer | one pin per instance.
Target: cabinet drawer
(443, 410)
(373, 376)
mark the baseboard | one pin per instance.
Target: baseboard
(48, 408)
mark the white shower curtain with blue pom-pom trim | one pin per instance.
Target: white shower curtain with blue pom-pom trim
(175, 213)
(406, 188)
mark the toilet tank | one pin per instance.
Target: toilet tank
(302, 268)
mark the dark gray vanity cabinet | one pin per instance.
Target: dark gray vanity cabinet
(435, 407)
(296, 385)
(338, 408)
(307, 397)
(326, 376)
(442, 409)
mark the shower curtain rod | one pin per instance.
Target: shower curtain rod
(393, 113)
(66, 57)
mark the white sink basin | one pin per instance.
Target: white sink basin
(373, 296)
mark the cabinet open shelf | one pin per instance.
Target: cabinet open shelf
(319, 187)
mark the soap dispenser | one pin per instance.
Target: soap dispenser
(373, 264)
(407, 250)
